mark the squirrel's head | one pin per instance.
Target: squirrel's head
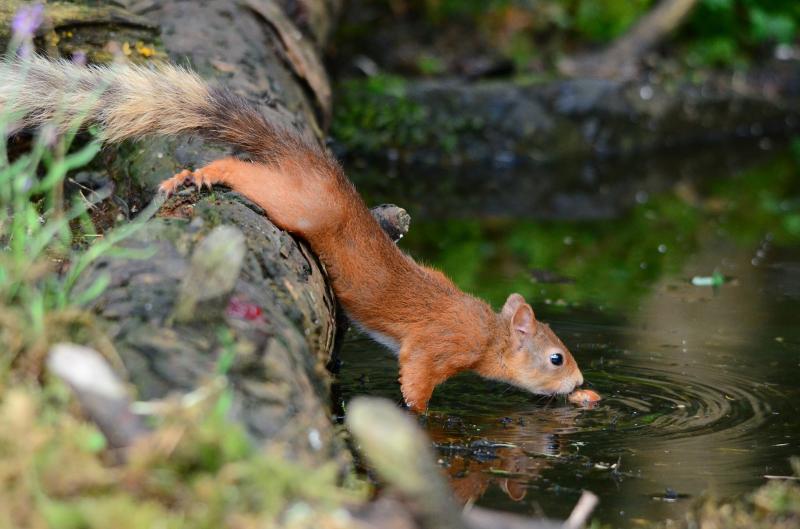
(536, 360)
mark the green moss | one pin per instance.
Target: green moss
(197, 471)
(375, 115)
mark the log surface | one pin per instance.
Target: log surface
(209, 285)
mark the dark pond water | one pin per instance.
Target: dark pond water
(700, 384)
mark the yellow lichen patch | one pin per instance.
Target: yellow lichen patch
(144, 50)
(52, 38)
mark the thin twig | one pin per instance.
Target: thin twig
(99, 390)
(582, 510)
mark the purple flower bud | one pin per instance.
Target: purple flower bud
(27, 20)
(79, 58)
(25, 49)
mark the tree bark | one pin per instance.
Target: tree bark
(209, 277)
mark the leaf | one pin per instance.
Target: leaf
(792, 224)
(777, 27)
(97, 287)
(61, 515)
(95, 442)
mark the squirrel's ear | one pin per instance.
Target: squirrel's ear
(523, 320)
(520, 314)
(512, 303)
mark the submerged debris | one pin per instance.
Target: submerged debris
(715, 280)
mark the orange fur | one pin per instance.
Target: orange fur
(438, 329)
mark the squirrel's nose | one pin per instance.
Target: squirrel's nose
(579, 382)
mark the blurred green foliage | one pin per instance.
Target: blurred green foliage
(718, 32)
(47, 240)
(603, 21)
(611, 263)
(726, 31)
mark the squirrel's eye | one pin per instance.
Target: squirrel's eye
(556, 359)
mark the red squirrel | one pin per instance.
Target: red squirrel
(436, 329)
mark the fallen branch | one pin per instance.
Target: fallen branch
(396, 448)
(101, 393)
(400, 453)
(622, 57)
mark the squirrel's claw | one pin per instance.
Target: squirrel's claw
(169, 186)
(207, 176)
(202, 179)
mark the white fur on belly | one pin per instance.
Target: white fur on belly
(381, 338)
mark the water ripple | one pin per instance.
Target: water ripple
(666, 405)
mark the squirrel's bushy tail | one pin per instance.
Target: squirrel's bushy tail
(129, 101)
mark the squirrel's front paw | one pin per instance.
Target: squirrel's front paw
(417, 404)
(171, 185)
(198, 177)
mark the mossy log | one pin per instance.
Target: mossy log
(208, 285)
(226, 282)
(209, 277)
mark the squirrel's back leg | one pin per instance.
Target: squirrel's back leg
(292, 197)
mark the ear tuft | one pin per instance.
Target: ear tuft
(523, 320)
(511, 305)
(519, 313)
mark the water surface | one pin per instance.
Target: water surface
(699, 383)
